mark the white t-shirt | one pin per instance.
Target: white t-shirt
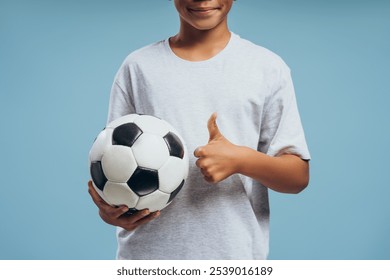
(251, 90)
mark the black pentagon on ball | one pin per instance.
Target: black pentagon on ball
(175, 192)
(126, 134)
(97, 174)
(174, 144)
(144, 181)
(130, 212)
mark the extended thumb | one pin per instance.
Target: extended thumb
(213, 127)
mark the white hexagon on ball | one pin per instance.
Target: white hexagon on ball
(150, 150)
(120, 194)
(154, 201)
(171, 174)
(150, 124)
(118, 163)
(101, 194)
(103, 140)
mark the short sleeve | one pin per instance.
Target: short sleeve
(281, 128)
(121, 97)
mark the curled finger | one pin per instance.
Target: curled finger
(199, 152)
(142, 217)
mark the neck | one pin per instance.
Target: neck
(190, 36)
(196, 45)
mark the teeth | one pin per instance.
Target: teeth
(202, 10)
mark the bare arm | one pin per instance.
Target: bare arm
(286, 173)
(220, 158)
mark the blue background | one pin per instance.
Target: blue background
(58, 60)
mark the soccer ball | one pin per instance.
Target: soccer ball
(139, 161)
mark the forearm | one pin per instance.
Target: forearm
(286, 173)
(220, 159)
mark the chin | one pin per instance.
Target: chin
(205, 25)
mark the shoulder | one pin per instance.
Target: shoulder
(142, 58)
(260, 55)
(145, 54)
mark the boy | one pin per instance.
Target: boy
(222, 212)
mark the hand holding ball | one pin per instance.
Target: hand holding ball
(139, 161)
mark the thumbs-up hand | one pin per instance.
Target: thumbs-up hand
(216, 160)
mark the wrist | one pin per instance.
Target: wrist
(251, 162)
(240, 161)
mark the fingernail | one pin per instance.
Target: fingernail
(125, 209)
(146, 212)
(156, 214)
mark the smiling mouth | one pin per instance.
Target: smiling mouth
(202, 11)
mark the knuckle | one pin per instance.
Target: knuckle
(129, 226)
(208, 167)
(206, 164)
(196, 152)
(106, 212)
(205, 172)
(200, 152)
(211, 178)
(202, 164)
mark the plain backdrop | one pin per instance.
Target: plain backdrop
(57, 63)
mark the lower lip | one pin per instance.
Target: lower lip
(203, 13)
